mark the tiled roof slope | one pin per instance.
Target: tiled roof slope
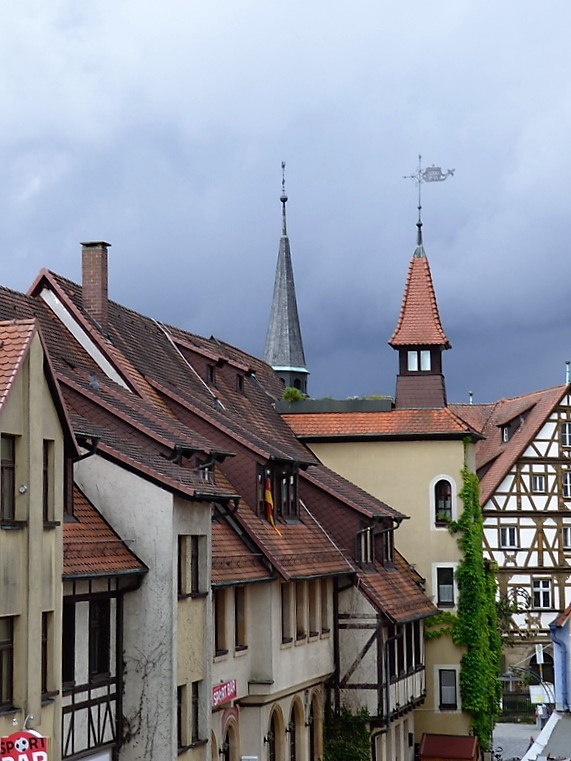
(397, 592)
(404, 423)
(232, 559)
(92, 548)
(216, 394)
(15, 340)
(500, 456)
(419, 321)
(176, 362)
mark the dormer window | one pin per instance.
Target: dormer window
(418, 360)
(240, 383)
(505, 433)
(365, 546)
(211, 375)
(277, 491)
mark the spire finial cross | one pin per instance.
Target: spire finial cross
(283, 199)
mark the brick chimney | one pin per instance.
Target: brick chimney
(94, 280)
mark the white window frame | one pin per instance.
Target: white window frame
(509, 537)
(566, 537)
(544, 591)
(566, 484)
(538, 483)
(566, 434)
(442, 705)
(432, 499)
(425, 360)
(412, 361)
(435, 586)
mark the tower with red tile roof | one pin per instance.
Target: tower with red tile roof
(284, 347)
(419, 338)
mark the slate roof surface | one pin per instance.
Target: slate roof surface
(284, 346)
(404, 423)
(92, 548)
(419, 321)
(15, 340)
(396, 592)
(500, 456)
(420, 392)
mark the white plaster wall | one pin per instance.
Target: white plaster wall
(143, 516)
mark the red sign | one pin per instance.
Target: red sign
(221, 693)
(26, 745)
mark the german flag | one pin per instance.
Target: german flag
(269, 500)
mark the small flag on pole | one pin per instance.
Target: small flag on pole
(269, 500)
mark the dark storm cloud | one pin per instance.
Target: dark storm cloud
(161, 129)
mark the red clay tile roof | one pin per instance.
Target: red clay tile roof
(420, 392)
(396, 593)
(15, 340)
(419, 321)
(92, 548)
(232, 560)
(453, 747)
(500, 456)
(403, 423)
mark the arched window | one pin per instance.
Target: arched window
(272, 738)
(442, 502)
(292, 731)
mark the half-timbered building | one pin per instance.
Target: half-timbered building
(524, 466)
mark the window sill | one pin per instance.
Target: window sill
(183, 596)
(287, 642)
(313, 636)
(325, 633)
(49, 697)
(448, 708)
(198, 595)
(12, 525)
(220, 655)
(240, 650)
(8, 709)
(446, 605)
(50, 525)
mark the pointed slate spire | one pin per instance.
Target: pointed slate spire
(419, 338)
(284, 347)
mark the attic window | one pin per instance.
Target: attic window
(277, 492)
(505, 433)
(211, 375)
(240, 383)
(365, 546)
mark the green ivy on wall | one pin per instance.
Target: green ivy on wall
(346, 736)
(475, 626)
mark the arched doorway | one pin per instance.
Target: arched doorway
(275, 738)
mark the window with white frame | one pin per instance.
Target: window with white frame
(538, 484)
(508, 536)
(448, 691)
(445, 587)
(566, 434)
(443, 502)
(418, 360)
(566, 483)
(541, 589)
(566, 537)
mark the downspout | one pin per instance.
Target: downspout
(561, 639)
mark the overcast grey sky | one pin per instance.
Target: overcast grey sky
(160, 127)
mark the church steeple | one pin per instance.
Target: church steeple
(284, 347)
(419, 338)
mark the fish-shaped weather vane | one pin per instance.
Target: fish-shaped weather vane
(430, 173)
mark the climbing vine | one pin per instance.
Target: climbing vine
(475, 627)
(347, 736)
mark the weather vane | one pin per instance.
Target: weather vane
(429, 174)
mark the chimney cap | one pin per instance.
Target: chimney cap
(96, 244)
